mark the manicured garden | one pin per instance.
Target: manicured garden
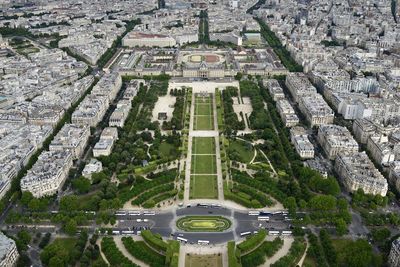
(241, 151)
(203, 223)
(203, 113)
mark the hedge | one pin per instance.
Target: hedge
(252, 242)
(257, 256)
(172, 254)
(155, 241)
(113, 254)
(141, 251)
(233, 260)
(153, 192)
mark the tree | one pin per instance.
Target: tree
(291, 205)
(70, 227)
(81, 184)
(69, 203)
(24, 236)
(26, 197)
(341, 227)
(56, 262)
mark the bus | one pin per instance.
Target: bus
(120, 213)
(115, 232)
(134, 213)
(182, 239)
(243, 234)
(202, 205)
(149, 213)
(203, 242)
(217, 206)
(273, 232)
(265, 213)
(254, 213)
(127, 232)
(263, 218)
(286, 233)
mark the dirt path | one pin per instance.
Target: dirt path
(98, 242)
(287, 243)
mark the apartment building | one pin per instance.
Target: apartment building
(8, 251)
(287, 113)
(335, 139)
(72, 137)
(316, 110)
(301, 143)
(358, 172)
(48, 174)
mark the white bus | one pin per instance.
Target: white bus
(134, 213)
(273, 232)
(149, 213)
(203, 242)
(115, 232)
(181, 239)
(254, 213)
(127, 232)
(120, 213)
(242, 234)
(263, 218)
(286, 233)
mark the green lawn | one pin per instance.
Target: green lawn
(240, 151)
(203, 145)
(203, 109)
(203, 114)
(167, 150)
(203, 123)
(203, 164)
(214, 260)
(203, 186)
(67, 243)
(203, 223)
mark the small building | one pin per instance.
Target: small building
(394, 255)
(162, 116)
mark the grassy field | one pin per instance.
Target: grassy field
(67, 243)
(203, 186)
(240, 151)
(203, 164)
(203, 114)
(167, 150)
(203, 145)
(214, 260)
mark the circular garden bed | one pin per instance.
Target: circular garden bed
(203, 223)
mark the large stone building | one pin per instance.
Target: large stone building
(394, 255)
(8, 251)
(335, 139)
(358, 172)
(48, 175)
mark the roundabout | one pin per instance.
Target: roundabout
(203, 224)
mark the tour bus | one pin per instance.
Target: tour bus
(127, 232)
(149, 212)
(115, 232)
(181, 239)
(134, 213)
(202, 205)
(203, 242)
(243, 234)
(286, 232)
(254, 213)
(265, 213)
(120, 213)
(273, 232)
(218, 206)
(263, 218)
